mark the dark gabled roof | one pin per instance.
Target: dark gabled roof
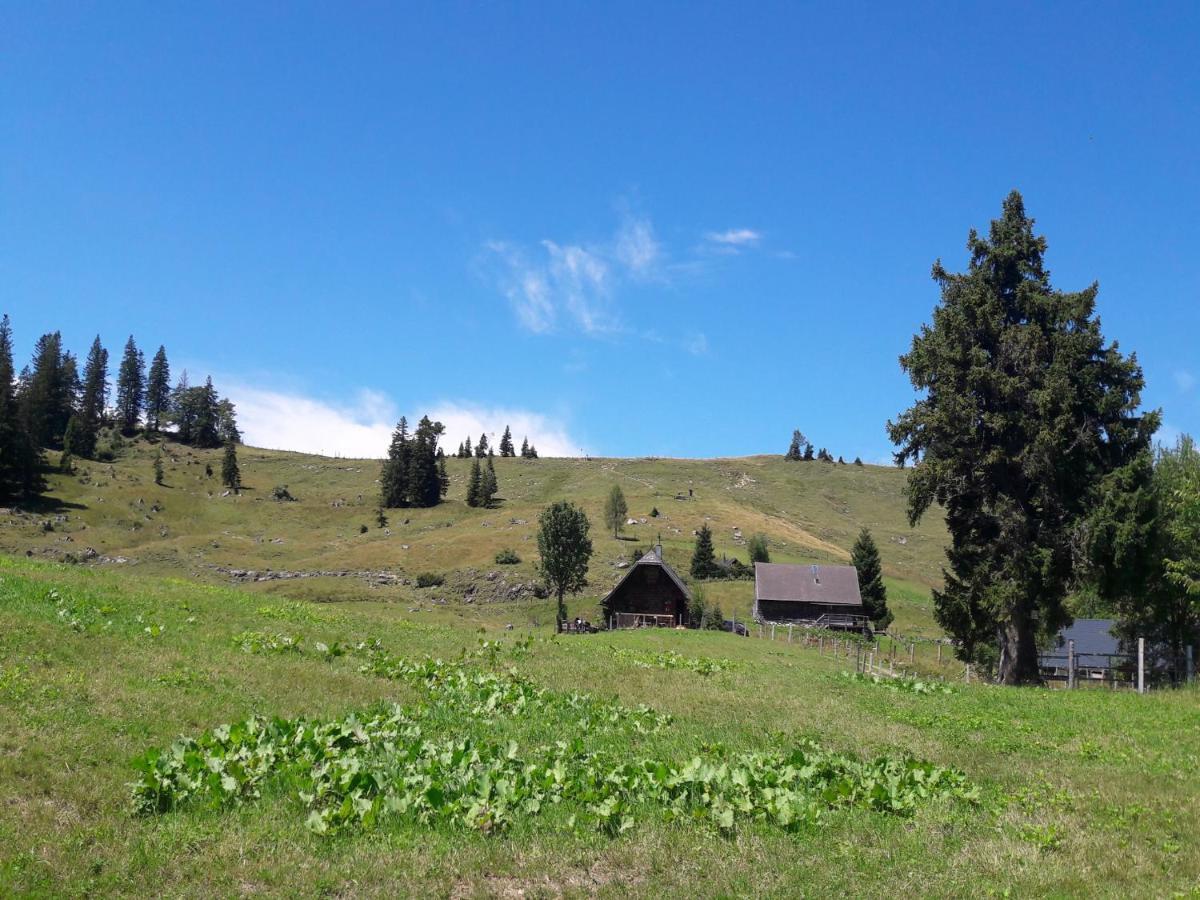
(1093, 639)
(652, 558)
(828, 585)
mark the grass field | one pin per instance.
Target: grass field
(810, 512)
(1086, 793)
(649, 763)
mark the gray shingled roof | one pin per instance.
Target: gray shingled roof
(831, 585)
(1093, 639)
(652, 558)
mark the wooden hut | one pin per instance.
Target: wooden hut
(824, 596)
(650, 594)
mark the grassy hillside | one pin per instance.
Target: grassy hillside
(531, 768)
(810, 512)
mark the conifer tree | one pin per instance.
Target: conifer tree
(474, 484)
(92, 401)
(525, 448)
(615, 509)
(795, 449)
(48, 394)
(487, 484)
(183, 412)
(393, 479)
(865, 559)
(858, 461)
(704, 559)
(506, 443)
(460, 453)
(467, 448)
(1052, 411)
(158, 391)
(131, 388)
(808, 452)
(19, 458)
(227, 428)
(532, 452)
(158, 466)
(231, 475)
(443, 478)
(424, 485)
(207, 416)
(481, 449)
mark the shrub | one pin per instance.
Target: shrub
(280, 492)
(507, 557)
(362, 529)
(430, 579)
(758, 549)
(654, 513)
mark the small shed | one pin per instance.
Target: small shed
(825, 596)
(1098, 651)
(650, 593)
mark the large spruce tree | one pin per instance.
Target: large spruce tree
(1025, 412)
(506, 443)
(131, 387)
(864, 556)
(92, 401)
(20, 458)
(158, 391)
(49, 392)
(393, 479)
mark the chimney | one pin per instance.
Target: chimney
(658, 551)
(816, 577)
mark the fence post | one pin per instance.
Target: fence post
(967, 673)
(912, 653)
(772, 631)
(939, 653)
(1141, 665)
(1191, 664)
(1070, 663)
(790, 627)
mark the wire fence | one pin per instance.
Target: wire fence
(900, 656)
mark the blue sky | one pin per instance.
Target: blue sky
(672, 229)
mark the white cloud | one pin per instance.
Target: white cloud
(1184, 380)
(574, 284)
(464, 420)
(637, 248)
(696, 344)
(734, 237)
(362, 428)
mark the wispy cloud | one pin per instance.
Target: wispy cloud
(696, 344)
(362, 427)
(1184, 380)
(559, 285)
(734, 237)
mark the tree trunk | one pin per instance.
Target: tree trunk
(1018, 650)
(562, 613)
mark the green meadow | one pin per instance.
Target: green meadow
(168, 728)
